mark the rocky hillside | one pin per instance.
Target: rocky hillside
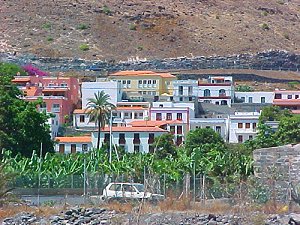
(118, 29)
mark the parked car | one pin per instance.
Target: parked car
(119, 191)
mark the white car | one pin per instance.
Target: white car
(128, 191)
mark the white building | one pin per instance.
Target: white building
(242, 126)
(219, 125)
(66, 145)
(185, 90)
(54, 124)
(132, 139)
(261, 97)
(112, 88)
(287, 99)
(216, 90)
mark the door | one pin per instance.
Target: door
(73, 148)
(62, 148)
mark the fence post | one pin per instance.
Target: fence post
(194, 190)
(165, 185)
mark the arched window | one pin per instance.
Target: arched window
(222, 92)
(206, 93)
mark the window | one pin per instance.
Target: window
(64, 85)
(128, 82)
(180, 90)
(263, 99)
(250, 137)
(153, 81)
(240, 125)
(153, 92)
(169, 116)
(140, 82)
(144, 92)
(151, 138)
(278, 96)
(180, 99)
(128, 188)
(250, 100)
(122, 140)
(222, 93)
(106, 138)
(218, 129)
(240, 138)
(223, 102)
(141, 114)
(179, 129)
(190, 99)
(124, 82)
(254, 125)
(158, 116)
(296, 96)
(81, 118)
(206, 93)
(161, 105)
(207, 127)
(179, 116)
(247, 125)
(144, 81)
(73, 148)
(115, 187)
(136, 138)
(84, 147)
(62, 148)
(149, 81)
(289, 96)
(172, 129)
(55, 107)
(243, 99)
(151, 149)
(179, 140)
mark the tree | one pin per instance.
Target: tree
(201, 136)
(98, 109)
(164, 146)
(289, 130)
(22, 127)
(273, 113)
(10, 69)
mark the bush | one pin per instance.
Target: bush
(265, 26)
(132, 27)
(140, 47)
(244, 88)
(82, 26)
(46, 25)
(50, 39)
(106, 10)
(286, 36)
(84, 47)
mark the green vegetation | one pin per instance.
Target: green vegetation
(82, 26)
(164, 146)
(140, 48)
(47, 26)
(132, 26)
(22, 127)
(265, 26)
(50, 39)
(11, 69)
(244, 88)
(264, 13)
(106, 10)
(84, 47)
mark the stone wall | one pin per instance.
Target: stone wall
(277, 167)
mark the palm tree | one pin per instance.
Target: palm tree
(98, 109)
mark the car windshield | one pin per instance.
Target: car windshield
(139, 187)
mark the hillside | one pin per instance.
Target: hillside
(118, 29)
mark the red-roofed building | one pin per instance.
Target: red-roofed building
(66, 145)
(60, 94)
(286, 99)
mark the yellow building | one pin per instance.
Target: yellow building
(144, 83)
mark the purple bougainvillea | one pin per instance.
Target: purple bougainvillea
(33, 71)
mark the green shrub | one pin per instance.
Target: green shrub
(84, 47)
(82, 26)
(106, 10)
(264, 13)
(286, 36)
(132, 26)
(140, 47)
(265, 26)
(50, 39)
(47, 25)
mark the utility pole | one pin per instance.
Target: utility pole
(40, 168)
(110, 138)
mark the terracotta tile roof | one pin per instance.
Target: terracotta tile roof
(78, 139)
(153, 123)
(32, 91)
(134, 129)
(296, 111)
(21, 79)
(79, 111)
(142, 73)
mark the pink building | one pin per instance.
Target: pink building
(60, 94)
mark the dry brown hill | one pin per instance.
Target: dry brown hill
(120, 29)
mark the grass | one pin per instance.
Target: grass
(50, 39)
(84, 47)
(47, 26)
(140, 48)
(132, 26)
(106, 10)
(82, 26)
(265, 26)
